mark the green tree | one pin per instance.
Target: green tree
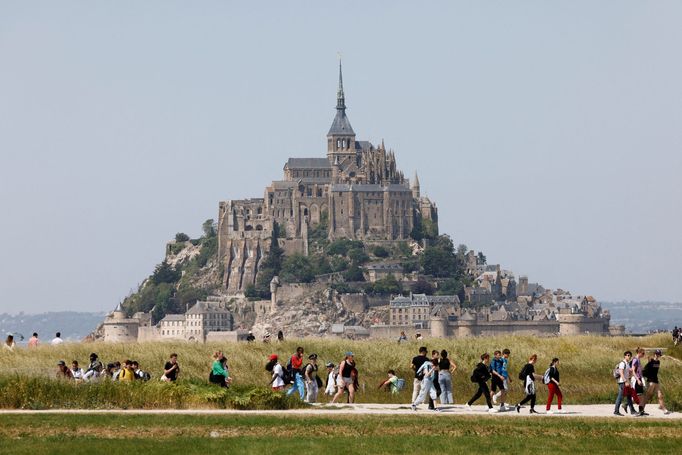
(358, 256)
(354, 273)
(209, 228)
(438, 262)
(297, 269)
(165, 273)
(385, 286)
(380, 252)
(421, 286)
(481, 259)
(181, 237)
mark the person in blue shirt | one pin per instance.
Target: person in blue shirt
(502, 373)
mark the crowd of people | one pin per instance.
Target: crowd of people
(637, 384)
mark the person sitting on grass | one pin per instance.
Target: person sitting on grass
(76, 371)
(171, 369)
(139, 374)
(94, 369)
(220, 374)
(63, 372)
(127, 374)
(9, 343)
(391, 383)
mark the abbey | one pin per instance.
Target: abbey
(355, 192)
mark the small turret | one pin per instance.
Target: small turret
(415, 187)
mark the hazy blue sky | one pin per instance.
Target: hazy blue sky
(548, 133)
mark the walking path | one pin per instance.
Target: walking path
(592, 410)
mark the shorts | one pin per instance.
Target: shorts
(495, 383)
(344, 382)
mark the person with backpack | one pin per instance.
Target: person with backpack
(503, 375)
(480, 376)
(295, 368)
(345, 379)
(273, 366)
(428, 371)
(622, 376)
(651, 374)
(445, 369)
(126, 374)
(527, 375)
(551, 378)
(312, 380)
(393, 383)
(94, 369)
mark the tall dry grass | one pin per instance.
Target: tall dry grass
(586, 363)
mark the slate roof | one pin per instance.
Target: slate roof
(341, 125)
(206, 308)
(308, 163)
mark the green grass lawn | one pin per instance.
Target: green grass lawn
(263, 434)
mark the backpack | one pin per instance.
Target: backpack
(545, 378)
(400, 384)
(616, 371)
(522, 373)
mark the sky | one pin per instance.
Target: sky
(548, 133)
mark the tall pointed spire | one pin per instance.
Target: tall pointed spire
(340, 98)
(341, 124)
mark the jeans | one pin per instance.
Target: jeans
(426, 387)
(298, 385)
(623, 392)
(445, 381)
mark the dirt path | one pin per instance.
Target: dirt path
(597, 410)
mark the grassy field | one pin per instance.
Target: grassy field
(586, 364)
(70, 434)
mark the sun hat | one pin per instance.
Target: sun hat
(349, 354)
(273, 357)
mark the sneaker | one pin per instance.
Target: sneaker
(533, 411)
(549, 412)
(467, 407)
(634, 413)
(617, 413)
(492, 410)
(666, 412)
(413, 407)
(518, 409)
(643, 414)
(560, 411)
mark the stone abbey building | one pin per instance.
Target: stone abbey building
(356, 190)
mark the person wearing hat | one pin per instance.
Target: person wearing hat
(311, 379)
(63, 372)
(345, 378)
(650, 373)
(330, 388)
(277, 381)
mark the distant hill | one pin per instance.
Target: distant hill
(73, 325)
(644, 317)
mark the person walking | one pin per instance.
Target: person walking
(553, 387)
(312, 381)
(638, 380)
(345, 380)
(503, 375)
(428, 371)
(527, 375)
(417, 362)
(296, 370)
(330, 386)
(623, 380)
(480, 376)
(435, 355)
(445, 370)
(57, 340)
(33, 341)
(653, 387)
(277, 380)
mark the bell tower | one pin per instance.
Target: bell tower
(341, 137)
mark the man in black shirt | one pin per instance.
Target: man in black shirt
(171, 369)
(650, 372)
(416, 364)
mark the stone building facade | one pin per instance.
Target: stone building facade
(357, 191)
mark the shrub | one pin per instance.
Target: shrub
(181, 237)
(380, 252)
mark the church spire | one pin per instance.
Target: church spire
(340, 98)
